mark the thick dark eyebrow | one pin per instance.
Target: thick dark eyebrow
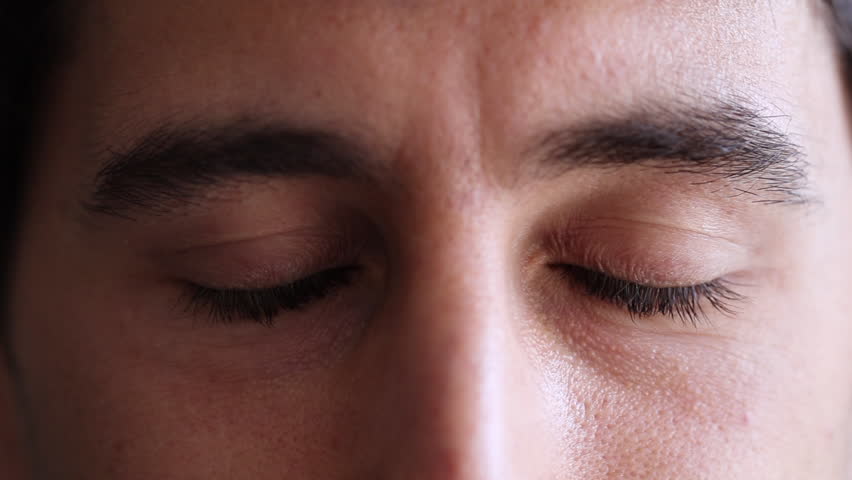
(726, 141)
(730, 141)
(172, 167)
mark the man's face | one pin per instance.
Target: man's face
(455, 240)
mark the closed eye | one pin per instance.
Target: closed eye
(686, 303)
(264, 305)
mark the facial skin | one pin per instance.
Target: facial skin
(459, 345)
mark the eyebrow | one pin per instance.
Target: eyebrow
(731, 141)
(727, 141)
(174, 166)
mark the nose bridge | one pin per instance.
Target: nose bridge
(460, 392)
(451, 334)
(454, 359)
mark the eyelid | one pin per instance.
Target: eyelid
(709, 231)
(686, 303)
(647, 254)
(263, 305)
(263, 262)
(236, 241)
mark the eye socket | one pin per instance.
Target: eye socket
(685, 303)
(266, 304)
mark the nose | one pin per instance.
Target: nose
(459, 397)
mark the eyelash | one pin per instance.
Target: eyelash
(684, 303)
(263, 305)
(641, 301)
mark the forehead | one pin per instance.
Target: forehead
(391, 64)
(256, 46)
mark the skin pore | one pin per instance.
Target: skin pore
(389, 239)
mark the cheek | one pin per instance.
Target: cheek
(108, 400)
(641, 405)
(629, 403)
(125, 418)
(189, 425)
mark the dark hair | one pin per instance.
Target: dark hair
(30, 33)
(842, 15)
(36, 36)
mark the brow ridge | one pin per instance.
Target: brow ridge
(170, 166)
(729, 141)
